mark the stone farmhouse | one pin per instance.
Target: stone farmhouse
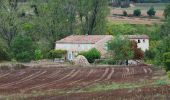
(78, 43)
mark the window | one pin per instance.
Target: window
(143, 40)
(138, 41)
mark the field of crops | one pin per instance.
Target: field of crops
(61, 83)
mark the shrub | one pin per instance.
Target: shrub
(150, 54)
(38, 54)
(137, 12)
(22, 48)
(125, 13)
(57, 54)
(166, 61)
(91, 55)
(151, 11)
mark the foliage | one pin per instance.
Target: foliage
(161, 48)
(150, 54)
(167, 11)
(125, 13)
(46, 21)
(57, 54)
(9, 21)
(3, 54)
(166, 60)
(22, 48)
(91, 55)
(92, 14)
(120, 29)
(151, 11)
(165, 28)
(168, 73)
(120, 49)
(153, 31)
(38, 54)
(137, 12)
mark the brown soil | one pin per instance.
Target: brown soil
(135, 20)
(31, 79)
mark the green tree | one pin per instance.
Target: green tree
(165, 29)
(8, 20)
(166, 61)
(151, 11)
(120, 49)
(167, 11)
(22, 48)
(92, 15)
(137, 12)
(56, 19)
(162, 47)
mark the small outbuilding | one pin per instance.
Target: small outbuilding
(141, 40)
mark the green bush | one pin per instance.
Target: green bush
(151, 11)
(57, 54)
(150, 54)
(137, 12)
(38, 54)
(125, 13)
(166, 61)
(91, 55)
(22, 48)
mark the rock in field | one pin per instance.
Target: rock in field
(81, 61)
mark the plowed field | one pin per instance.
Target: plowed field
(34, 80)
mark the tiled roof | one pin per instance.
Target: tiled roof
(137, 36)
(83, 39)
